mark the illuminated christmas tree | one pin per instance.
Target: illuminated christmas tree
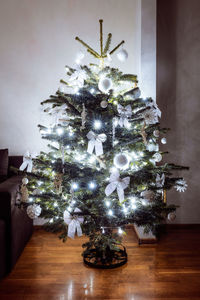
(103, 169)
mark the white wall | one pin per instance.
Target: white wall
(37, 41)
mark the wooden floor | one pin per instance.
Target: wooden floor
(49, 269)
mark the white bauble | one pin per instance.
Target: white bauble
(105, 84)
(156, 133)
(157, 157)
(121, 161)
(171, 216)
(147, 195)
(122, 55)
(25, 180)
(164, 141)
(104, 104)
(33, 211)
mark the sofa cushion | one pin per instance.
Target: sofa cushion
(3, 164)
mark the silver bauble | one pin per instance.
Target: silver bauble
(171, 216)
(156, 133)
(105, 84)
(122, 55)
(25, 180)
(121, 161)
(33, 211)
(104, 104)
(157, 157)
(164, 141)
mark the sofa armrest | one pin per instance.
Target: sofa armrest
(8, 192)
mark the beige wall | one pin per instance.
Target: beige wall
(178, 95)
(37, 41)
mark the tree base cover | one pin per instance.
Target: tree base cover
(109, 260)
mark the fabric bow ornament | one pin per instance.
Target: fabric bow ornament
(125, 113)
(95, 142)
(73, 223)
(27, 162)
(117, 183)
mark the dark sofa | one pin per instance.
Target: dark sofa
(15, 226)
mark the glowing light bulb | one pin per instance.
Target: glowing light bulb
(133, 206)
(55, 204)
(59, 131)
(92, 185)
(103, 230)
(51, 221)
(97, 124)
(120, 231)
(110, 212)
(71, 133)
(108, 203)
(74, 186)
(69, 208)
(92, 91)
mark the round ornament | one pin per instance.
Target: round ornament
(147, 195)
(157, 157)
(104, 104)
(156, 133)
(164, 141)
(121, 161)
(33, 211)
(171, 216)
(122, 55)
(105, 84)
(25, 180)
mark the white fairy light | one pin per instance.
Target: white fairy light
(115, 102)
(55, 204)
(92, 91)
(69, 208)
(92, 185)
(30, 199)
(92, 159)
(110, 212)
(120, 231)
(59, 131)
(97, 124)
(71, 133)
(103, 230)
(74, 186)
(125, 209)
(107, 203)
(51, 221)
(39, 183)
(66, 69)
(49, 130)
(73, 202)
(128, 125)
(133, 206)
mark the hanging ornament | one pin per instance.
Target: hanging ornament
(105, 84)
(125, 113)
(116, 183)
(83, 116)
(144, 134)
(27, 162)
(164, 141)
(181, 185)
(73, 222)
(58, 182)
(104, 104)
(95, 142)
(24, 190)
(160, 180)
(122, 55)
(156, 133)
(150, 116)
(33, 211)
(171, 216)
(147, 195)
(121, 161)
(157, 157)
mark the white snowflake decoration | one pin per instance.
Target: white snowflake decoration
(181, 185)
(33, 211)
(150, 116)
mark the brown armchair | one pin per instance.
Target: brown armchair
(15, 226)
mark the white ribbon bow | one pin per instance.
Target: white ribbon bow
(95, 142)
(27, 162)
(125, 113)
(117, 183)
(73, 223)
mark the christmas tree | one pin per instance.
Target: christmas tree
(103, 169)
